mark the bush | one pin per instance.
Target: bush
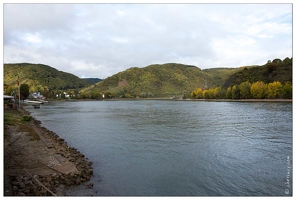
(26, 118)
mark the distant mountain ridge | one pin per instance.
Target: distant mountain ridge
(92, 81)
(157, 80)
(173, 79)
(154, 80)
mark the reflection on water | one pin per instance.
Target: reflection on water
(165, 148)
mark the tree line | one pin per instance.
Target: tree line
(246, 90)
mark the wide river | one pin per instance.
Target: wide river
(178, 148)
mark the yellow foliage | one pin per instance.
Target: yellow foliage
(274, 89)
(258, 90)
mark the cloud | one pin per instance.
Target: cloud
(99, 40)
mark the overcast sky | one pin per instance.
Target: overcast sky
(99, 40)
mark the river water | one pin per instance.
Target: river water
(178, 148)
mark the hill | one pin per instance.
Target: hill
(92, 81)
(40, 77)
(165, 80)
(220, 75)
(174, 79)
(169, 79)
(276, 70)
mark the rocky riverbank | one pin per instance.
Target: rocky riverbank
(38, 162)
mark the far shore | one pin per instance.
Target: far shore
(177, 99)
(243, 100)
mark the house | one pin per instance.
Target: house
(36, 95)
(8, 101)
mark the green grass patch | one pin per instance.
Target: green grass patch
(26, 118)
(19, 119)
(10, 119)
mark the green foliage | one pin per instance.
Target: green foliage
(24, 90)
(276, 70)
(235, 92)
(10, 90)
(40, 78)
(244, 89)
(287, 91)
(164, 80)
(153, 81)
(220, 75)
(228, 93)
(272, 80)
(26, 118)
(8, 119)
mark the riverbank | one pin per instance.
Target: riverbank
(180, 99)
(37, 162)
(243, 100)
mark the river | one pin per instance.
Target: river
(178, 148)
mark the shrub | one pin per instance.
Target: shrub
(26, 118)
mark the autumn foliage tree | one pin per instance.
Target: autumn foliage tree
(258, 90)
(197, 94)
(246, 90)
(274, 90)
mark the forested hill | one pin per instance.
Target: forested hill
(276, 70)
(152, 81)
(272, 80)
(158, 80)
(174, 79)
(41, 77)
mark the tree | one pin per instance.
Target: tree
(205, 94)
(197, 94)
(287, 90)
(228, 93)
(10, 90)
(277, 60)
(258, 90)
(287, 61)
(211, 93)
(235, 93)
(244, 89)
(274, 90)
(24, 90)
(221, 93)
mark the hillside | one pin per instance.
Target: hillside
(166, 80)
(92, 81)
(173, 79)
(220, 75)
(40, 77)
(153, 81)
(276, 70)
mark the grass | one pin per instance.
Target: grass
(19, 119)
(11, 117)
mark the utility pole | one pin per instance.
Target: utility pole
(19, 91)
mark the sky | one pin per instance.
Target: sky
(100, 40)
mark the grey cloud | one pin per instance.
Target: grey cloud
(98, 40)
